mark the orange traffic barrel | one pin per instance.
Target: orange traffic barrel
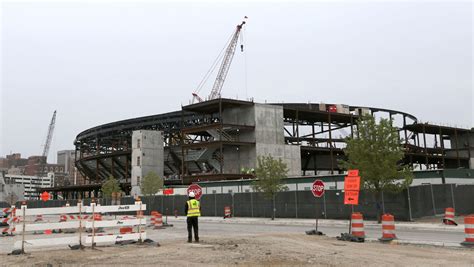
(469, 230)
(388, 228)
(227, 212)
(449, 217)
(158, 220)
(357, 225)
(153, 213)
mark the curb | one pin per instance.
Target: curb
(421, 242)
(322, 222)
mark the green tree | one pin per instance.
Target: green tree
(377, 152)
(151, 183)
(270, 173)
(110, 186)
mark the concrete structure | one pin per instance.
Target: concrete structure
(67, 158)
(213, 140)
(33, 185)
(147, 156)
(270, 139)
(11, 192)
(465, 144)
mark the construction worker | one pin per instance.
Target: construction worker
(193, 211)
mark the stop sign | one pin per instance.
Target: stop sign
(318, 188)
(196, 189)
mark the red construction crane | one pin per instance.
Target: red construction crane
(224, 68)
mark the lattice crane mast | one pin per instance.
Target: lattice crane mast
(49, 137)
(225, 66)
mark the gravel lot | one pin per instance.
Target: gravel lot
(230, 244)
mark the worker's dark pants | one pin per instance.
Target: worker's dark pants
(193, 223)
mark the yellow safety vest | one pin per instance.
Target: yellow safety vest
(193, 208)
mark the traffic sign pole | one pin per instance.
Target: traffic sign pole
(318, 191)
(316, 218)
(351, 192)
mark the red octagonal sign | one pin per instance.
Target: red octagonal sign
(196, 189)
(318, 188)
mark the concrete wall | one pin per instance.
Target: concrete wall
(6, 189)
(235, 159)
(289, 154)
(269, 124)
(147, 155)
(243, 115)
(269, 137)
(464, 140)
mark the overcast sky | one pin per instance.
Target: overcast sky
(101, 62)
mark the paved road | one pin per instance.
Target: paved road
(228, 229)
(372, 232)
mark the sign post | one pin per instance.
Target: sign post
(318, 191)
(351, 191)
(166, 192)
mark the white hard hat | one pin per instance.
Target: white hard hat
(191, 194)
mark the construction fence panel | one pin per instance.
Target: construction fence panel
(442, 198)
(425, 200)
(464, 199)
(421, 201)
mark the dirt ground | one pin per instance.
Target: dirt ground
(265, 249)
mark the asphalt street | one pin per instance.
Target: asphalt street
(217, 227)
(230, 228)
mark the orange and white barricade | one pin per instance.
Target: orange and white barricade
(39, 218)
(126, 230)
(449, 217)
(63, 218)
(227, 212)
(357, 225)
(97, 217)
(10, 220)
(388, 228)
(95, 221)
(469, 230)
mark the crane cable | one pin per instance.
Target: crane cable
(213, 66)
(245, 62)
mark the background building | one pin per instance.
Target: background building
(33, 185)
(72, 176)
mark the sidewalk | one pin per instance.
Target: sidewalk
(326, 222)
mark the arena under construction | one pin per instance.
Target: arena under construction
(220, 139)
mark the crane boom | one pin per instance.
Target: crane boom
(49, 137)
(225, 65)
